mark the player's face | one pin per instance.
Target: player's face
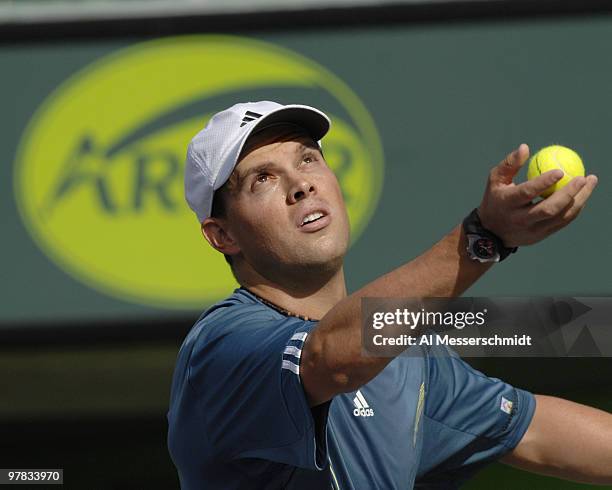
(286, 206)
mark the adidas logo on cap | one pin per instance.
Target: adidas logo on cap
(248, 117)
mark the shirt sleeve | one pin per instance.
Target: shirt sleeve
(245, 370)
(469, 421)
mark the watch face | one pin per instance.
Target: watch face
(484, 248)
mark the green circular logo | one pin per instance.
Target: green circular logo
(99, 172)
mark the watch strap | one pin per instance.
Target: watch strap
(473, 226)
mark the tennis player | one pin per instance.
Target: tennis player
(271, 389)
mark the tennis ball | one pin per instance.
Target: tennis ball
(553, 157)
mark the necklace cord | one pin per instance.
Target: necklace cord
(281, 310)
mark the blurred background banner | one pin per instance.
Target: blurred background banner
(104, 269)
(98, 176)
(94, 137)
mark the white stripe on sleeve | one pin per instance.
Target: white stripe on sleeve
(293, 351)
(294, 368)
(299, 336)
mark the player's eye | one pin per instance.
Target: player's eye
(309, 158)
(261, 178)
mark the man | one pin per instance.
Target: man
(271, 389)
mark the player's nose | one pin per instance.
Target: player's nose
(300, 189)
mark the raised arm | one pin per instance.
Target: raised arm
(566, 440)
(331, 359)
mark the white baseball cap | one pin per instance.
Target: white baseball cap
(213, 152)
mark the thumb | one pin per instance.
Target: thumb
(509, 167)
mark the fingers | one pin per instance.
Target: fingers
(509, 167)
(529, 190)
(579, 202)
(565, 204)
(582, 197)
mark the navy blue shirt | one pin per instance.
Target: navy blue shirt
(239, 418)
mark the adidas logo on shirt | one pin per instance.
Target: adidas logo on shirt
(362, 409)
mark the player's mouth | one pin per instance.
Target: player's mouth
(314, 220)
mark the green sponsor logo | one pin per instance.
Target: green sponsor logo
(99, 172)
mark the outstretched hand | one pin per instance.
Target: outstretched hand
(508, 209)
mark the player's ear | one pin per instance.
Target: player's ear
(216, 233)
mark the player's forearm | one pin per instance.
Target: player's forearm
(567, 440)
(335, 347)
(445, 270)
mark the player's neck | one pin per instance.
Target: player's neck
(312, 298)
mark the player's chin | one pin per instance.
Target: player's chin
(331, 249)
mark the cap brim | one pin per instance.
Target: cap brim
(313, 121)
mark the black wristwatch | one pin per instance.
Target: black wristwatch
(484, 245)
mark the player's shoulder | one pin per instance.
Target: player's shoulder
(220, 326)
(241, 318)
(241, 310)
(241, 305)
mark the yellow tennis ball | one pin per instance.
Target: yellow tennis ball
(553, 157)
